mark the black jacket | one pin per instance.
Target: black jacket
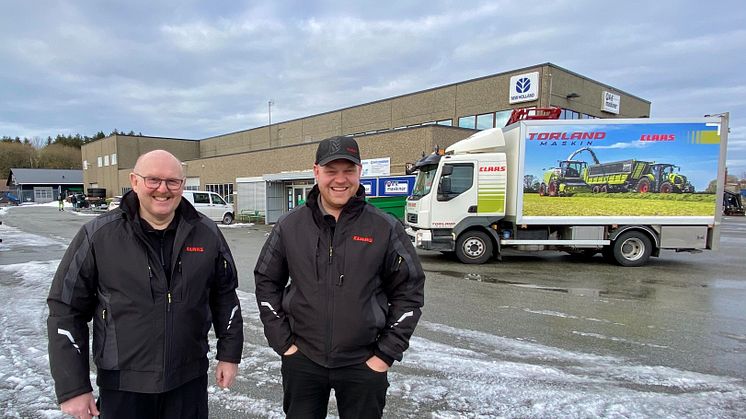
(355, 288)
(149, 336)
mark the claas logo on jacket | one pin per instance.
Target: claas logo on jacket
(362, 239)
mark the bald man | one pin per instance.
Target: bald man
(153, 274)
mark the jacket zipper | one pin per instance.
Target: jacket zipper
(329, 297)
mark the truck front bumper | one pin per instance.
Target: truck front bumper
(424, 239)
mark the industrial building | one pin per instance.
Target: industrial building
(270, 166)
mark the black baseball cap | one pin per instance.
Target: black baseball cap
(335, 148)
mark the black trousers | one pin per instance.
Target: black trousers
(360, 391)
(188, 401)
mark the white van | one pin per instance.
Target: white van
(211, 205)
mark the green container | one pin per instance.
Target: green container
(394, 205)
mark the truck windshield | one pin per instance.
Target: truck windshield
(424, 181)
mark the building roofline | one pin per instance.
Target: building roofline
(537, 66)
(141, 136)
(318, 141)
(595, 81)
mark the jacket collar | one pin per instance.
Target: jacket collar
(353, 207)
(131, 205)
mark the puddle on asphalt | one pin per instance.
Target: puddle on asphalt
(630, 293)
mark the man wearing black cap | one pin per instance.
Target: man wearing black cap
(339, 288)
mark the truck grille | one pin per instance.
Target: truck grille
(412, 218)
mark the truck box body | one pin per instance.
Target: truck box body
(515, 197)
(694, 145)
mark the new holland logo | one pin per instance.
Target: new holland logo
(523, 85)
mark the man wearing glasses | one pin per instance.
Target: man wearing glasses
(153, 275)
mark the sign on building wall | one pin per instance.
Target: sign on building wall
(371, 186)
(388, 185)
(524, 87)
(395, 186)
(611, 102)
(377, 167)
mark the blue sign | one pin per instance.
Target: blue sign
(395, 185)
(371, 187)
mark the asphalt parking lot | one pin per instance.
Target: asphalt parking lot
(536, 335)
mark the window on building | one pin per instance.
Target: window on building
(502, 117)
(446, 122)
(85, 164)
(569, 114)
(113, 158)
(99, 161)
(106, 160)
(467, 122)
(485, 121)
(222, 189)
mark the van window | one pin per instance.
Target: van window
(201, 198)
(217, 200)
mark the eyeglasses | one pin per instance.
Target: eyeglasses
(155, 182)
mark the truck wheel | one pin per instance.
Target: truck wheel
(473, 247)
(553, 188)
(643, 185)
(666, 187)
(542, 189)
(604, 189)
(228, 218)
(596, 189)
(632, 248)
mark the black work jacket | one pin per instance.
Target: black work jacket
(149, 336)
(342, 292)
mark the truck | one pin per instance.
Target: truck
(474, 200)
(732, 204)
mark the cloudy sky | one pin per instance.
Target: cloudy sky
(191, 69)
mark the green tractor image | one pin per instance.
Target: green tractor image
(664, 178)
(572, 176)
(569, 177)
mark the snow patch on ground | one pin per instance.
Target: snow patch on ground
(450, 373)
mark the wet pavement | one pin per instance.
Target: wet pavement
(536, 335)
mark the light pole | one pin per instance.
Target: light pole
(269, 110)
(269, 127)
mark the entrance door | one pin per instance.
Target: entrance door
(299, 195)
(296, 195)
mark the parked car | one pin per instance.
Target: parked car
(211, 205)
(114, 203)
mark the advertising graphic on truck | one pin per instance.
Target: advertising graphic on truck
(667, 159)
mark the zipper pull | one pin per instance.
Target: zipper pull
(168, 308)
(341, 278)
(179, 266)
(331, 251)
(103, 315)
(150, 272)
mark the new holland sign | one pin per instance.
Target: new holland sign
(524, 87)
